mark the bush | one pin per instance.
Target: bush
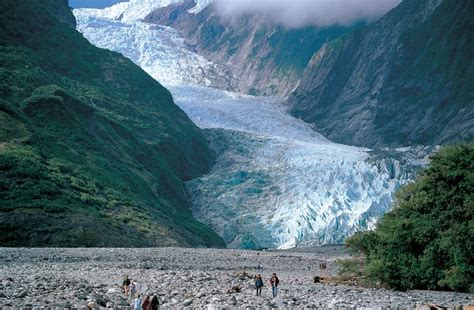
(427, 240)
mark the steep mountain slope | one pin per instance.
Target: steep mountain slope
(265, 58)
(93, 151)
(404, 80)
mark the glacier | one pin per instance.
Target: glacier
(276, 182)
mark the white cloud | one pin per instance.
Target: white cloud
(297, 13)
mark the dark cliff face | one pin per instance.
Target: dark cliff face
(265, 58)
(405, 79)
(93, 151)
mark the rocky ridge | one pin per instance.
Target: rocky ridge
(403, 80)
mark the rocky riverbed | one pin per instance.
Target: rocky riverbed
(193, 278)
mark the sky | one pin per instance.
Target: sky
(98, 4)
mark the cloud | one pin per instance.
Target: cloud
(298, 13)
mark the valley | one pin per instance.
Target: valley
(192, 144)
(197, 278)
(276, 183)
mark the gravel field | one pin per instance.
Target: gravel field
(190, 278)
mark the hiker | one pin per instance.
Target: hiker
(154, 302)
(133, 289)
(126, 285)
(259, 284)
(137, 305)
(274, 281)
(146, 303)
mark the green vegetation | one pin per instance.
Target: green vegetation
(93, 151)
(427, 240)
(292, 49)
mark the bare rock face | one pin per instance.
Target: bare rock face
(405, 79)
(264, 58)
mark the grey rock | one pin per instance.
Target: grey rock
(363, 90)
(187, 302)
(248, 40)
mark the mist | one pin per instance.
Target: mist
(299, 13)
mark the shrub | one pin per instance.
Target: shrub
(427, 240)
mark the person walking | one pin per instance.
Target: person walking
(274, 281)
(133, 289)
(259, 284)
(154, 302)
(126, 286)
(146, 303)
(137, 305)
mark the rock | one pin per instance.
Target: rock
(109, 305)
(22, 294)
(232, 301)
(200, 294)
(187, 302)
(114, 291)
(91, 305)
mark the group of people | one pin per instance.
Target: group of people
(149, 302)
(273, 281)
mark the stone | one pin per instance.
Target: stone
(114, 291)
(187, 302)
(232, 301)
(22, 294)
(200, 294)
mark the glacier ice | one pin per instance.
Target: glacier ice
(276, 183)
(156, 49)
(130, 11)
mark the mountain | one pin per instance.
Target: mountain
(263, 57)
(276, 183)
(93, 151)
(403, 80)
